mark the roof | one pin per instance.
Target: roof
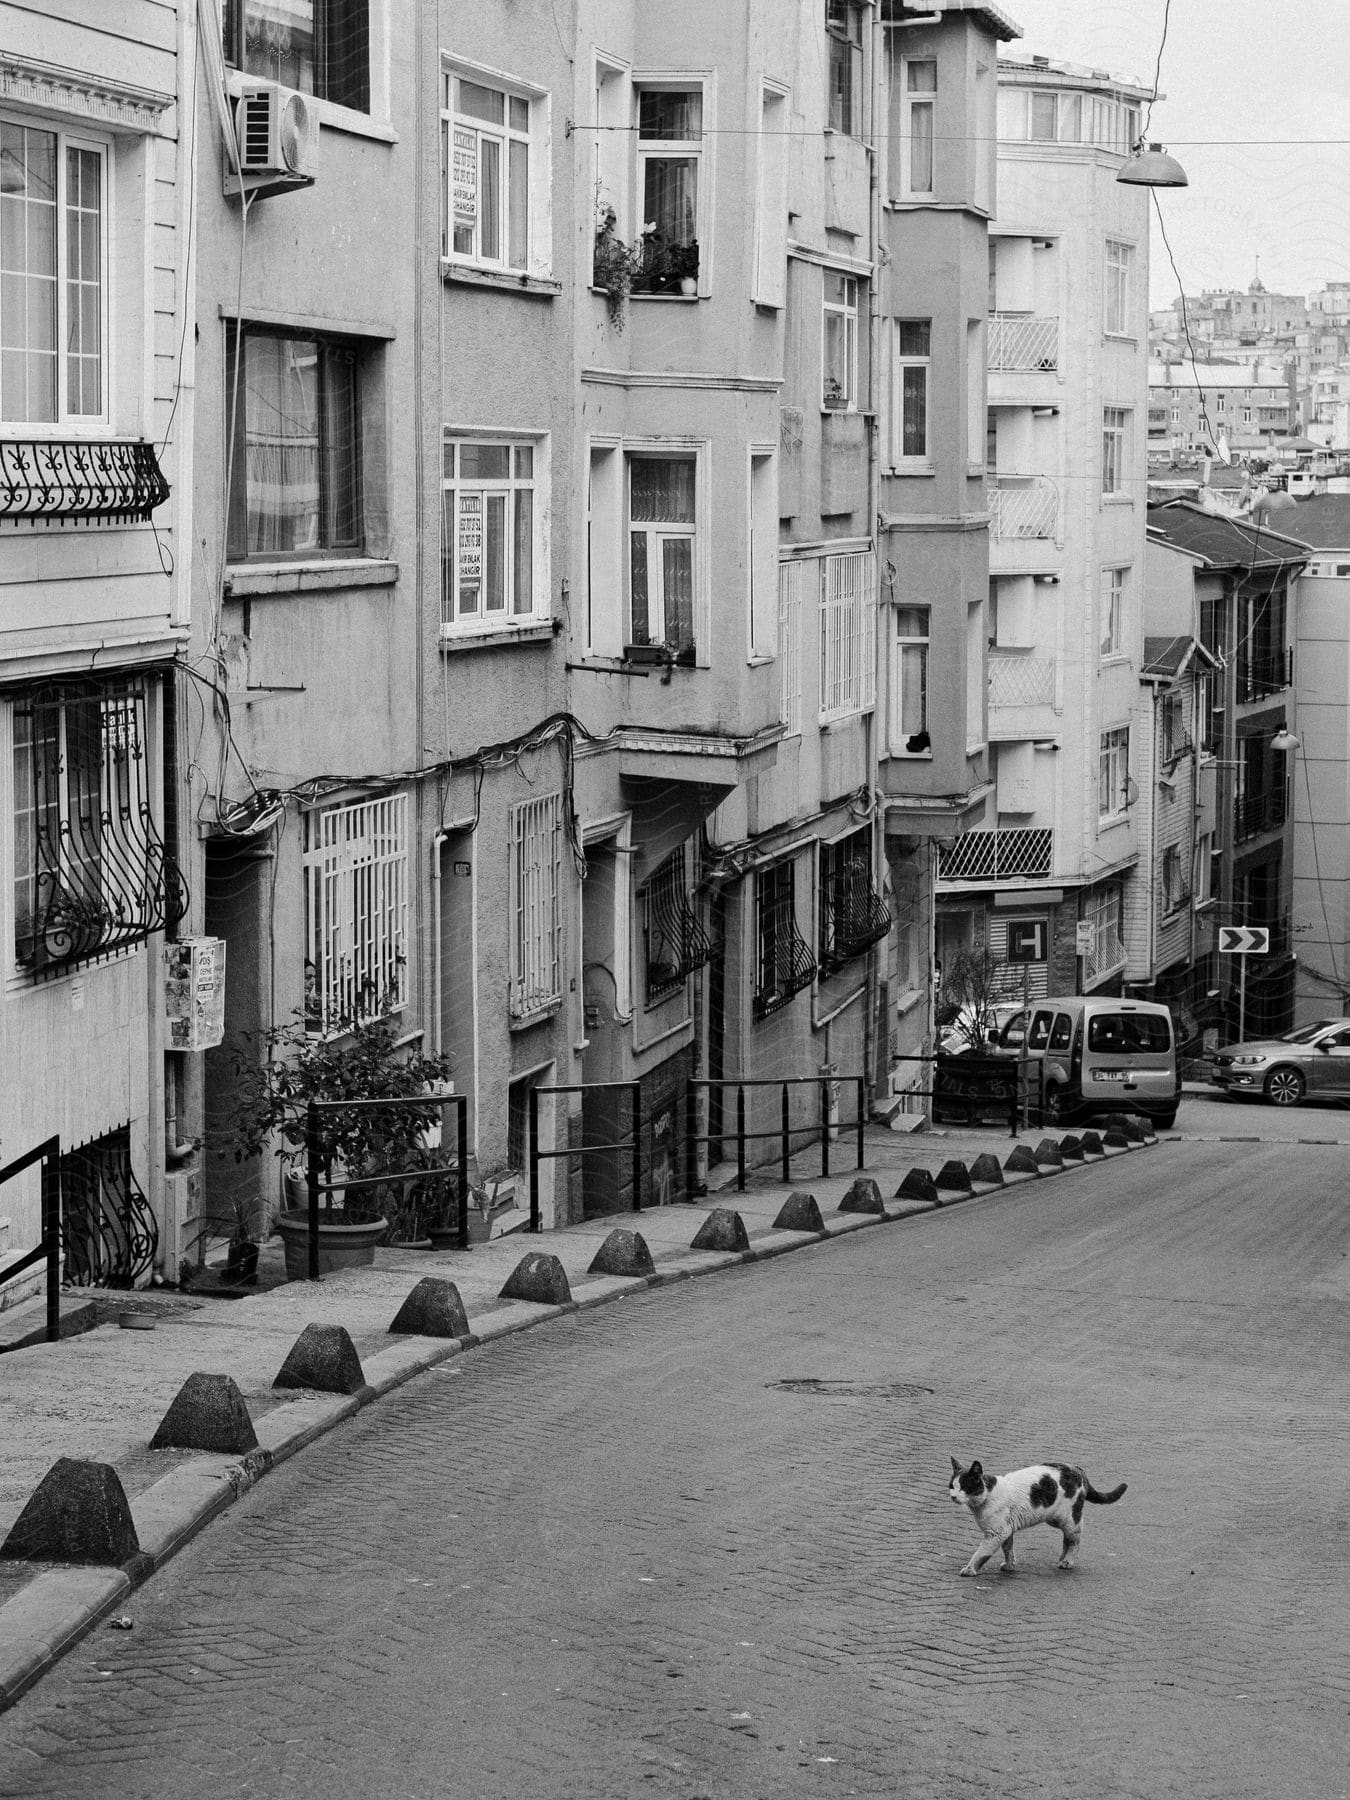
(1223, 543)
(1322, 521)
(1168, 656)
(1054, 72)
(992, 17)
(1185, 374)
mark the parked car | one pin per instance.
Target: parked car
(1312, 1062)
(1101, 1055)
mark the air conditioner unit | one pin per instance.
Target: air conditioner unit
(276, 131)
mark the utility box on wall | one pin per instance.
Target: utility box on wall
(194, 993)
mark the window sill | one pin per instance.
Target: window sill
(467, 275)
(488, 637)
(1117, 499)
(916, 471)
(912, 755)
(540, 1016)
(666, 299)
(250, 580)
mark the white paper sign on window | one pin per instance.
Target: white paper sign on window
(466, 177)
(470, 540)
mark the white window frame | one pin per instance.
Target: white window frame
(462, 138)
(535, 901)
(790, 642)
(850, 34)
(697, 149)
(356, 856)
(457, 624)
(347, 117)
(914, 104)
(842, 308)
(762, 559)
(1119, 287)
(1114, 584)
(1115, 450)
(677, 449)
(1113, 774)
(901, 361)
(911, 646)
(848, 648)
(64, 420)
(771, 220)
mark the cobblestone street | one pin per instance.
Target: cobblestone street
(698, 1543)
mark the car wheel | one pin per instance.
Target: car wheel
(1285, 1087)
(1165, 1121)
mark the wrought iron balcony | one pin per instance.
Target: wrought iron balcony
(1017, 341)
(1261, 672)
(117, 481)
(997, 855)
(1022, 506)
(1255, 813)
(1021, 680)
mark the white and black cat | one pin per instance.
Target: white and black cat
(1002, 1505)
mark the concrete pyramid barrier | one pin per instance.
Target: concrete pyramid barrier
(918, 1185)
(623, 1253)
(723, 1229)
(1021, 1161)
(433, 1309)
(78, 1513)
(207, 1413)
(799, 1212)
(323, 1357)
(985, 1168)
(863, 1196)
(953, 1178)
(538, 1277)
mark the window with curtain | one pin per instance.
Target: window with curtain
(321, 47)
(661, 549)
(920, 103)
(910, 367)
(909, 718)
(292, 420)
(669, 153)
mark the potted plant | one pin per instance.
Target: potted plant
(355, 1144)
(241, 1248)
(613, 266)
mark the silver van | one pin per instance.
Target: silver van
(1101, 1055)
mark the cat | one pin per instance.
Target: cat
(1044, 1494)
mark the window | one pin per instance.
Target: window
(536, 911)
(784, 962)
(669, 153)
(843, 30)
(490, 522)
(847, 636)
(293, 412)
(1246, 415)
(976, 391)
(53, 235)
(321, 47)
(356, 913)
(1113, 772)
(1113, 612)
(840, 359)
(790, 647)
(1119, 267)
(490, 158)
(661, 526)
(1221, 403)
(1174, 738)
(909, 392)
(909, 718)
(850, 915)
(91, 874)
(763, 524)
(1173, 894)
(1026, 942)
(771, 211)
(676, 944)
(920, 96)
(1114, 424)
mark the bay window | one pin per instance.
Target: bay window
(911, 365)
(490, 533)
(909, 705)
(53, 236)
(920, 101)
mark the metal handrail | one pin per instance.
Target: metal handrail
(50, 1247)
(693, 1138)
(425, 1101)
(536, 1155)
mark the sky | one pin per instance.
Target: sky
(1233, 71)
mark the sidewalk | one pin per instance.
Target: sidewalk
(99, 1396)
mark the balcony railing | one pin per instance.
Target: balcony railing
(1263, 672)
(1022, 507)
(997, 855)
(1019, 342)
(1106, 955)
(53, 478)
(1255, 813)
(1021, 681)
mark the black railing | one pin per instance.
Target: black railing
(316, 1185)
(633, 1146)
(49, 1155)
(784, 1132)
(1255, 813)
(62, 478)
(1263, 672)
(968, 1087)
(108, 1230)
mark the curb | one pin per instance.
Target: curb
(61, 1604)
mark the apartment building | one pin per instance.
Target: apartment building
(1192, 406)
(95, 407)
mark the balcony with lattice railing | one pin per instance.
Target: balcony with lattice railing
(1015, 854)
(1023, 507)
(1021, 342)
(1021, 681)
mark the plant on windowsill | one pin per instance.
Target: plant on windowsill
(834, 398)
(364, 1142)
(614, 266)
(667, 268)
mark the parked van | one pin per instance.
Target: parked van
(1101, 1055)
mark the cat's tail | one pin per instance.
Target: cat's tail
(1104, 1499)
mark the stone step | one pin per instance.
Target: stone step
(26, 1323)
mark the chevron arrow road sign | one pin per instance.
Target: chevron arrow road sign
(1250, 940)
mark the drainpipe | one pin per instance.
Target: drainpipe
(871, 1055)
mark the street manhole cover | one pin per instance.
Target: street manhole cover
(852, 1390)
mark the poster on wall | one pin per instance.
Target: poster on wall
(465, 178)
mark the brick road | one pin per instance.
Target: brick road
(698, 1543)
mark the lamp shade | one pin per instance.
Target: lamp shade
(1153, 168)
(1284, 740)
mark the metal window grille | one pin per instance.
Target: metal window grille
(847, 636)
(1019, 342)
(790, 646)
(852, 915)
(108, 1232)
(1102, 910)
(536, 874)
(356, 912)
(91, 872)
(786, 965)
(1023, 507)
(676, 942)
(996, 855)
